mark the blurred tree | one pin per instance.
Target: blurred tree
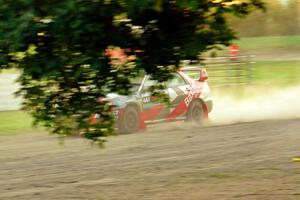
(63, 48)
(282, 18)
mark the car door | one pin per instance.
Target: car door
(178, 90)
(153, 109)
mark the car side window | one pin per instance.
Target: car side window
(148, 83)
(175, 81)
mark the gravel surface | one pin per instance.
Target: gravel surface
(169, 161)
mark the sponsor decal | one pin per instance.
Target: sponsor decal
(193, 93)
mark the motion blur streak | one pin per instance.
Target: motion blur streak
(273, 104)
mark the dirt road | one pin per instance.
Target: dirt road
(241, 161)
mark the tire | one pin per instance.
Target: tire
(130, 121)
(195, 112)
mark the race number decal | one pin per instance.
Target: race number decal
(146, 99)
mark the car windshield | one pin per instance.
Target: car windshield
(136, 83)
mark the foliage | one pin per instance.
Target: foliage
(282, 18)
(61, 47)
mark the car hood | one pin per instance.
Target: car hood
(120, 101)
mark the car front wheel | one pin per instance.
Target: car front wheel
(195, 112)
(130, 121)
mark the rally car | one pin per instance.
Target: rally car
(190, 100)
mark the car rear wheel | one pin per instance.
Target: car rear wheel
(195, 112)
(130, 121)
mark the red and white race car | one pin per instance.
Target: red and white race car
(190, 99)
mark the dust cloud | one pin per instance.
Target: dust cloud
(272, 104)
(258, 105)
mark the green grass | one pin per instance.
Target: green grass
(266, 48)
(263, 73)
(271, 47)
(276, 73)
(266, 76)
(255, 43)
(15, 122)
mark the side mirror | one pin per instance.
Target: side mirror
(203, 75)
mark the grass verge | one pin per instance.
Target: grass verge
(264, 73)
(15, 122)
(265, 76)
(266, 48)
(276, 73)
(270, 42)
